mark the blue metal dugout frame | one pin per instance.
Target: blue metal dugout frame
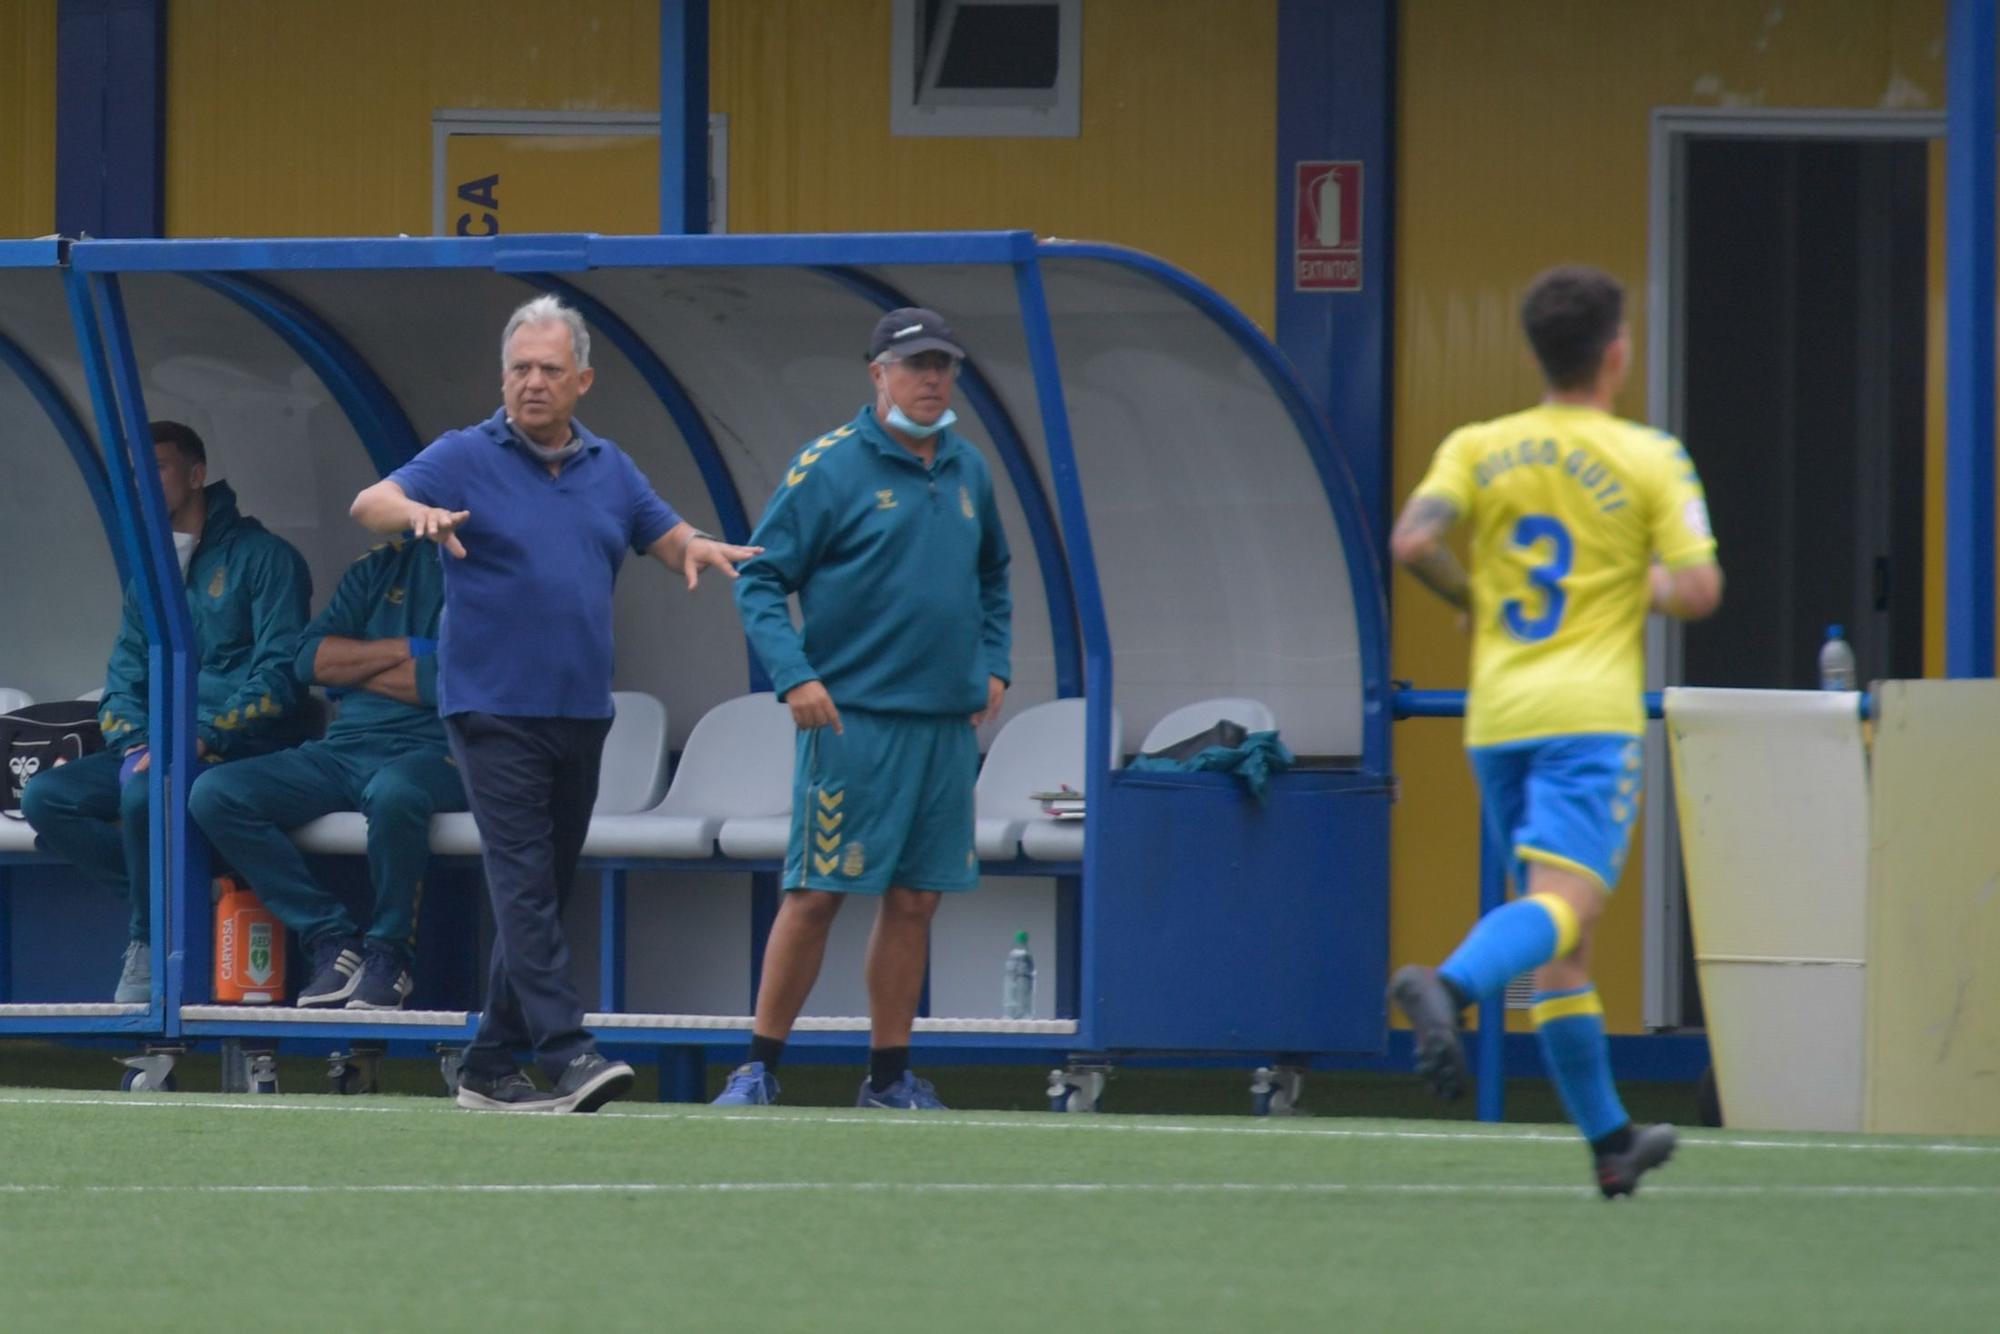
(114, 507)
(1172, 839)
(1296, 969)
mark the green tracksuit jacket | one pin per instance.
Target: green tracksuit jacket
(901, 571)
(248, 594)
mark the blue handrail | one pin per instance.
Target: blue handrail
(1406, 702)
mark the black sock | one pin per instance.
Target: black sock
(768, 1050)
(886, 1065)
(1617, 1141)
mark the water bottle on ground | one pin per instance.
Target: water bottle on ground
(1017, 997)
(1836, 661)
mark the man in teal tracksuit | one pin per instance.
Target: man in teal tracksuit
(385, 755)
(887, 531)
(248, 595)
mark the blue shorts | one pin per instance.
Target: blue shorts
(1567, 801)
(888, 801)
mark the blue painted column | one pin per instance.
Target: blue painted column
(1969, 337)
(683, 117)
(1335, 274)
(111, 117)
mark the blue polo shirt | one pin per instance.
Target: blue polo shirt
(526, 630)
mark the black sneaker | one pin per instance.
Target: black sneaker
(589, 1082)
(336, 970)
(510, 1092)
(1619, 1173)
(1425, 1001)
(383, 983)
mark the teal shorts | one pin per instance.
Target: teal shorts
(1567, 801)
(888, 801)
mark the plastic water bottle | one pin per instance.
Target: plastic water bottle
(1836, 661)
(1017, 996)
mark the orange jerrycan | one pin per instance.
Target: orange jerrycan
(249, 947)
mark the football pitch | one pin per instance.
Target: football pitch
(400, 1213)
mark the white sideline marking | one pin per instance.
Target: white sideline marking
(1066, 1123)
(981, 1188)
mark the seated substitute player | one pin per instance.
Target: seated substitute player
(248, 595)
(1581, 522)
(385, 755)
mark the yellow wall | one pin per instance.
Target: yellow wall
(28, 119)
(315, 119)
(303, 120)
(1176, 155)
(1523, 143)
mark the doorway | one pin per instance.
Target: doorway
(1789, 335)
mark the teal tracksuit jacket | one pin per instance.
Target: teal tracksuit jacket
(900, 569)
(395, 591)
(248, 594)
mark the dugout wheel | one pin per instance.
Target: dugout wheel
(248, 1069)
(151, 1071)
(356, 1071)
(1078, 1088)
(1275, 1090)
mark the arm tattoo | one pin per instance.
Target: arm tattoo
(1431, 518)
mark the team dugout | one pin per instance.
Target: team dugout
(1182, 530)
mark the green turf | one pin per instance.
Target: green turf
(824, 1220)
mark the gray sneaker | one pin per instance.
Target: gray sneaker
(590, 1081)
(135, 980)
(511, 1092)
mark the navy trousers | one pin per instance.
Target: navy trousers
(531, 783)
(83, 816)
(246, 808)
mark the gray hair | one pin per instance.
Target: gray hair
(548, 310)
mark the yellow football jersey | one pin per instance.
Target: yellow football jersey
(1569, 507)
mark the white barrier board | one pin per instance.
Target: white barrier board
(1772, 788)
(1934, 910)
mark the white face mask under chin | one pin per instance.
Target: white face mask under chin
(901, 421)
(184, 548)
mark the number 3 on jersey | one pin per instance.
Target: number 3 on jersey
(1540, 531)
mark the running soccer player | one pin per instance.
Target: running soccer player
(1581, 523)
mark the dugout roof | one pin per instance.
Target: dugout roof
(1182, 526)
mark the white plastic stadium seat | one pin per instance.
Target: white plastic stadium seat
(1194, 719)
(345, 833)
(632, 776)
(1038, 750)
(629, 777)
(16, 835)
(759, 819)
(12, 699)
(737, 763)
(93, 695)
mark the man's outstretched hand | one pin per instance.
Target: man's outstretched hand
(439, 526)
(723, 556)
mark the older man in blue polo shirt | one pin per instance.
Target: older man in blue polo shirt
(536, 513)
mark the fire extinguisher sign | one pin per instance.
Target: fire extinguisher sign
(1326, 228)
